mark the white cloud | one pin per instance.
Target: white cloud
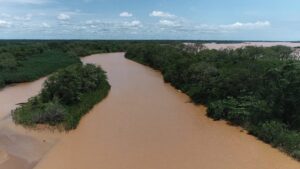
(172, 25)
(63, 17)
(126, 14)
(248, 25)
(110, 26)
(134, 23)
(161, 14)
(4, 24)
(168, 23)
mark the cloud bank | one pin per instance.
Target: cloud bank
(248, 25)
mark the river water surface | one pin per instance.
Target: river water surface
(147, 124)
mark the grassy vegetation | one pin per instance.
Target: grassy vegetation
(66, 96)
(257, 88)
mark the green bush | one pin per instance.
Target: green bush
(37, 112)
(52, 113)
(271, 132)
(238, 116)
(278, 135)
(216, 110)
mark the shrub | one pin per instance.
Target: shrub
(216, 110)
(238, 116)
(270, 132)
(52, 113)
(260, 111)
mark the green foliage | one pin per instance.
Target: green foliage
(38, 112)
(216, 110)
(75, 79)
(7, 61)
(53, 113)
(88, 100)
(271, 132)
(278, 135)
(241, 111)
(66, 96)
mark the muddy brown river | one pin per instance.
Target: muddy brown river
(142, 124)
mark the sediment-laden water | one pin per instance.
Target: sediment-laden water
(147, 124)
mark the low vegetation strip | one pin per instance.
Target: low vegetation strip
(254, 87)
(66, 96)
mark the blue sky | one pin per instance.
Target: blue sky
(150, 19)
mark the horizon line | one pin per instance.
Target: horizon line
(78, 39)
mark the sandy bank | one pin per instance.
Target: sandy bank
(239, 45)
(146, 124)
(21, 148)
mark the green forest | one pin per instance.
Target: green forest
(254, 87)
(23, 61)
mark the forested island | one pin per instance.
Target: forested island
(66, 96)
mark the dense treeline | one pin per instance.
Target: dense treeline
(254, 87)
(66, 96)
(22, 61)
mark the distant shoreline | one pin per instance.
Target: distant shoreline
(158, 40)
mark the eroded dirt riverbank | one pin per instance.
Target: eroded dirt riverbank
(146, 124)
